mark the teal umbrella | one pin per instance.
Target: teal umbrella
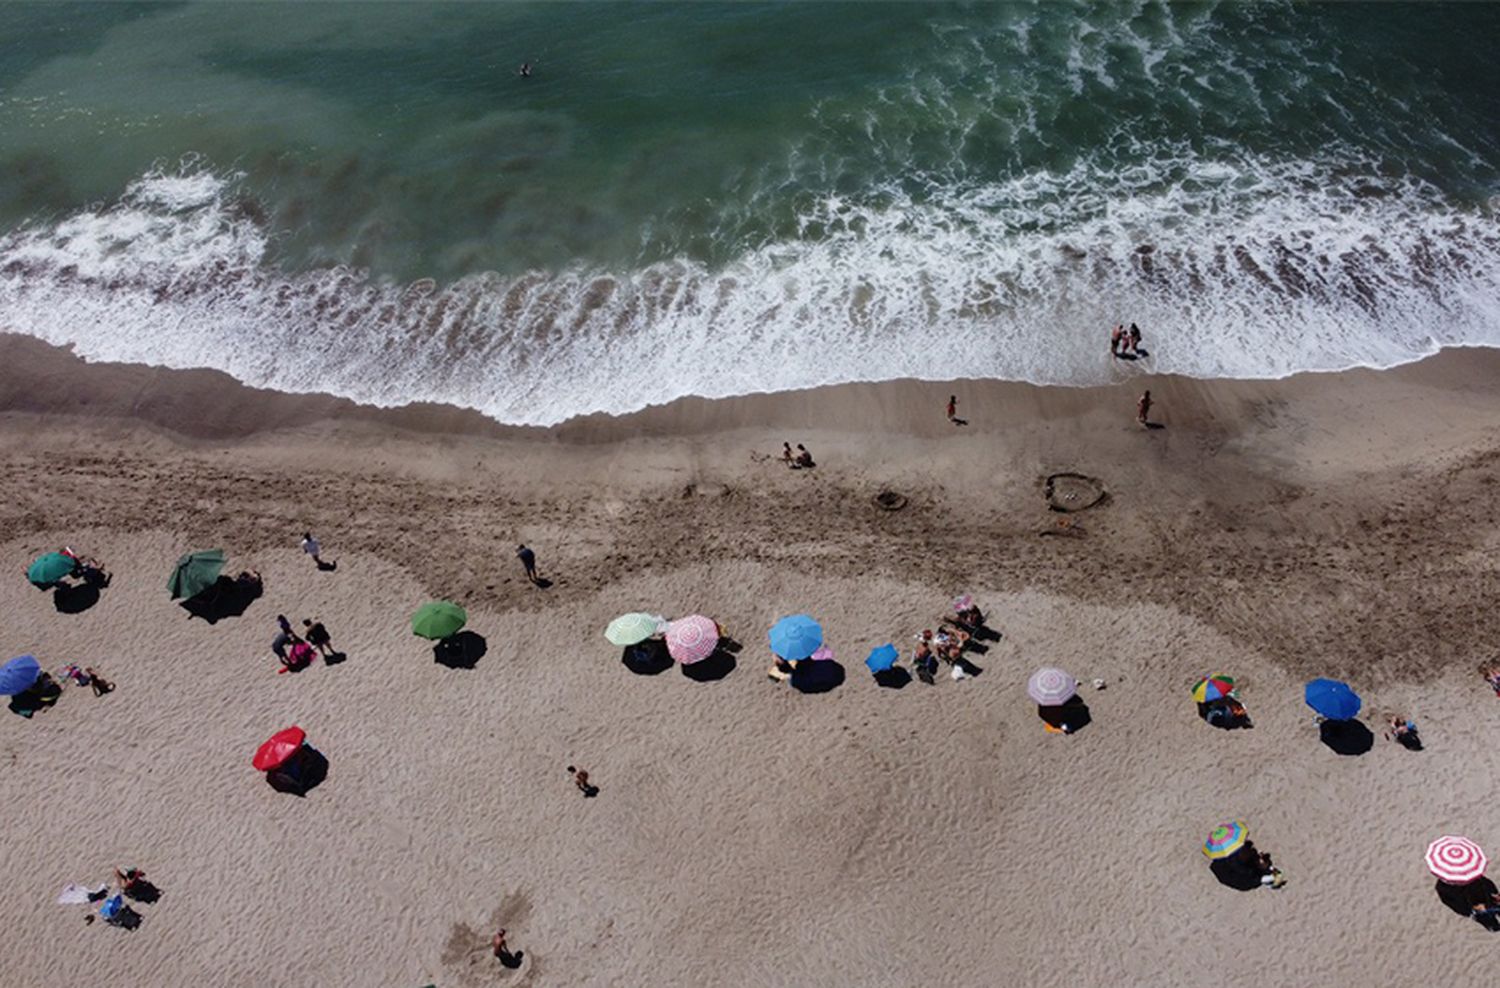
(195, 573)
(48, 569)
(631, 629)
(438, 619)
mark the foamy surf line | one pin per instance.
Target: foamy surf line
(1235, 268)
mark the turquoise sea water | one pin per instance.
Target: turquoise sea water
(718, 198)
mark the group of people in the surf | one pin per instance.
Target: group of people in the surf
(1126, 343)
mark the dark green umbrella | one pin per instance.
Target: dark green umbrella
(195, 573)
(438, 619)
(47, 570)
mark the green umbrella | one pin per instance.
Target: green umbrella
(195, 573)
(628, 629)
(47, 570)
(438, 619)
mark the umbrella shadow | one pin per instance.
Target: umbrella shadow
(712, 669)
(226, 598)
(1346, 737)
(817, 676)
(894, 678)
(1240, 871)
(459, 651)
(1070, 717)
(301, 773)
(647, 658)
(1462, 899)
(75, 598)
(39, 696)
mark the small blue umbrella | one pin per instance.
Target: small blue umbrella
(882, 658)
(18, 674)
(1332, 699)
(795, 638)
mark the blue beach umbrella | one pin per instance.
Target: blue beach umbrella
(795, 638)
(18, 674)
(882, 658)
(1332, 699)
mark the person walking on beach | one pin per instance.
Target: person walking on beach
(528, 560)
(1134, 338)
(1116, 340)
(1143, 409)
(581, 780)
(953, 411)
(312, 548)
(286, 638)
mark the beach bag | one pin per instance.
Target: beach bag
(301, 654)
(958, 673)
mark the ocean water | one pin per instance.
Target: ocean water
(723, 198)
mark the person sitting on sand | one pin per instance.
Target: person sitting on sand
(581, 780)
(99, 683)
(925, 663)
(129, 879)
(1402, 731)
(1491, 674)
(787, 456)
(250, 582)
(804, 459)
(971, 619)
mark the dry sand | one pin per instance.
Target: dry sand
(746, 834)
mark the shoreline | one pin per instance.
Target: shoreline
(40, 378)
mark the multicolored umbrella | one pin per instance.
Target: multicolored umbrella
(438, 619)
(18, 675)
(692, 639)
(1456, 860)
(1051, 687)
(795, 638)
(963, 603)
(278, 748)
(1225, 839)
(1215, 687)
(47, 569)
(632, 629)
(882, 658)
(195, 573)
(1332, 699)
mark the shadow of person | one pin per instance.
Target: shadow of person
(1154, 425)
(817, 676)
(712, 669)
(648, 658)
(1346, 737)
(301, 773)
(542, 583)
(334, 658)
(969, 668)
(41, 695)
(894, 678)
(126, 919)
(75, 598)
(226, 598)
(460, 651)
(1070, 717)
(142, 890)
(511, 959)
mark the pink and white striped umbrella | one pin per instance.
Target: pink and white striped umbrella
(1457, 860)
(1051, 687)
(692, 639)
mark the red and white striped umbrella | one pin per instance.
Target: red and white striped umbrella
(692, 639)
(1456, 860)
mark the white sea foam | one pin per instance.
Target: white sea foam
(1233, 266)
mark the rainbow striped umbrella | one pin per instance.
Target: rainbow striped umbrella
(692, 639)
(1225, 839)
(1216, 687)
(1456, 860)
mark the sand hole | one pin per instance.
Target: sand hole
(889, 501)
(1069, 492)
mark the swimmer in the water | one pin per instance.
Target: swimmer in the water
(525, 70)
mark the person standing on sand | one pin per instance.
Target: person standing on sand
(497, 944)
(1116, 340)
(528, 560)
(312, 548)
(1143, 409)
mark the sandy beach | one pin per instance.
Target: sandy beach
(745, 833)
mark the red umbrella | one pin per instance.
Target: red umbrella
(278, 748)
